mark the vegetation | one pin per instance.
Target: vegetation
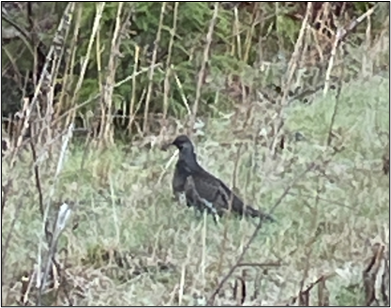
(287, 102)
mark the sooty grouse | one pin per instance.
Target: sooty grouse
(201, 189)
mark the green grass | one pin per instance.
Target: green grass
(124, 204)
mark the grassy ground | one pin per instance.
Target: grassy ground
(135, 246)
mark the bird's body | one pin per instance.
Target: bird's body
(203, 190)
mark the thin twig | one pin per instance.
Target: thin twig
(340, 36)
(41, 279)
(152, 67)
(201, 73)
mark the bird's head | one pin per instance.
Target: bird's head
(187, 158)
(182, 142)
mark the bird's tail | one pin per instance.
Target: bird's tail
(250, 211)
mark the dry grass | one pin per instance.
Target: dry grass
(133, 245)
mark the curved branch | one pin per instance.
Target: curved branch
(22, 32)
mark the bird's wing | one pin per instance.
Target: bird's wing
(195, 199)
(185, 190)
(217, 192)
(210, 189)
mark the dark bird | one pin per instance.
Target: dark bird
(201, 189)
